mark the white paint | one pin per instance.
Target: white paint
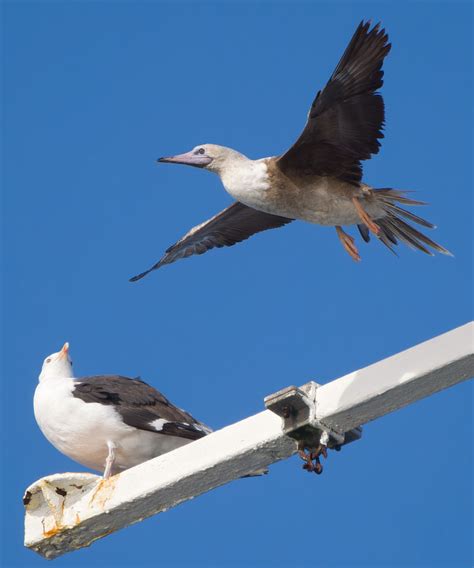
(392, 383)
(94, 511)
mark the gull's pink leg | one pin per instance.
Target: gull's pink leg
(109, 462)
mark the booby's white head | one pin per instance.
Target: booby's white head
(57, 365)
(208, 156)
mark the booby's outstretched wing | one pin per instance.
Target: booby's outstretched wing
(346, 118)
(139, 405)
(232, 225)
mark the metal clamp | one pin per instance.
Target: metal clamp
(297, 408)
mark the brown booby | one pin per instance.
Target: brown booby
(319, 179)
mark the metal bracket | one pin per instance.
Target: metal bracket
(297, 407)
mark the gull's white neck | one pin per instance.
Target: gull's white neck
(55, 371)
(246, 180)
(49, 378)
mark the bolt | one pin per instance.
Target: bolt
(286, 411)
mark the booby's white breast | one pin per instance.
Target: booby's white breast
(247, 181)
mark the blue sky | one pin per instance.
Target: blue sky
(94, 92)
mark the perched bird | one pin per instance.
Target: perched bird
(108, 423)
(319, 179)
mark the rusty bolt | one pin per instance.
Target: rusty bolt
(286, 411)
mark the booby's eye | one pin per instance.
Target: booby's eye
(200, 151)
(48, 360)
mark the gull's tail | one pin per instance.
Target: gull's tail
(394, 228)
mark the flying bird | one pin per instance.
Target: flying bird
(319, 179)
(108, 423)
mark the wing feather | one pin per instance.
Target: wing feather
(232, 225)
(346, 119)
(139, 405)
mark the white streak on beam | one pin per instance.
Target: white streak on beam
(392, 383)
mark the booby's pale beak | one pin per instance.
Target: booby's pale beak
(188, 159)
(64, 351)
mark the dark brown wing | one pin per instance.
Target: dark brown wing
(140, 405)
(232, 225)
(346, 118)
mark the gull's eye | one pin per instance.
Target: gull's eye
(48, 360)
(200, 151)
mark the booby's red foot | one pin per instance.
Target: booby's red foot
(348, 244)
(306, 457)
(365, 217)
(312, 459)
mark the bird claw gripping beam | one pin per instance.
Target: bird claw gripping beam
(297, 407)
(312, 459)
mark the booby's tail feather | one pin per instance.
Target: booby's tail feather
(394, 228)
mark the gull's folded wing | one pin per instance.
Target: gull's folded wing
(139, 405)
(232, 225)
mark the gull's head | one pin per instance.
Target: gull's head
(57, 365)
(208, 156)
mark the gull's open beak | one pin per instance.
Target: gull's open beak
(188, 159)
(64, 351)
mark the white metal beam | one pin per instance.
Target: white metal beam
(68, 511)
(392, 383)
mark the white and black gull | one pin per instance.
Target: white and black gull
(108, 423)
(319, 179)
